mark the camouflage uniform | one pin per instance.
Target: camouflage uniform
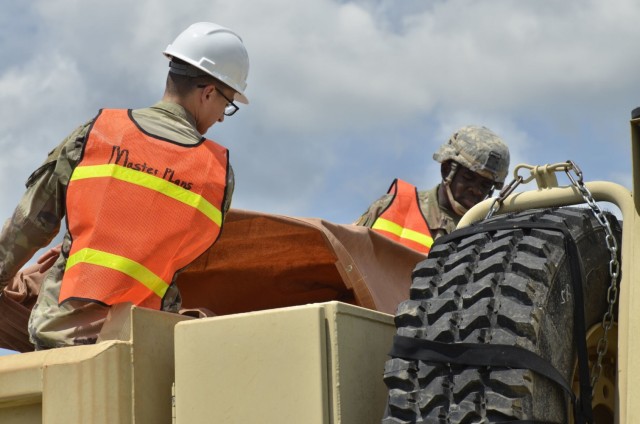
(441, 221)
(476, 148)
(37, 218)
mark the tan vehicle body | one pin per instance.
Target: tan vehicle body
(311, 360)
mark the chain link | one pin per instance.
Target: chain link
(506, 191)
(614, 268)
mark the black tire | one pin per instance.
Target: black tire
(507, 287)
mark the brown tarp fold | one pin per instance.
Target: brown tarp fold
(264, 261)
(16, 301)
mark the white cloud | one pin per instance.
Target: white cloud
(41, 102)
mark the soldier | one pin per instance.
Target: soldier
(143, 191)
(474, 162)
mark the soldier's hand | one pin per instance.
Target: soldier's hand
(47, 260)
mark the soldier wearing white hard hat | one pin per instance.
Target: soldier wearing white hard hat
(143, 192)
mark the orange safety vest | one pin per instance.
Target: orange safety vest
(403, 220)
(139, 208)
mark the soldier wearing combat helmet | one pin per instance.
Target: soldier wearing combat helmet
(474, 162)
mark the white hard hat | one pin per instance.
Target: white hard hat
(216, 50)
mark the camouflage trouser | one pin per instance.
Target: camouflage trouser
(31, 314)
(74, 322)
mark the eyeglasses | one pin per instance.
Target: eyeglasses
(230, 108)
(472, 179)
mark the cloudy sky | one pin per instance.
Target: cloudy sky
(345, 95)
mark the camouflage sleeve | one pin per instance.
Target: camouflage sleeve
(369, 217)
(36, 219)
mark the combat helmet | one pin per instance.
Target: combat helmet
(478, 149)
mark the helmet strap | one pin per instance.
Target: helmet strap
(452, 172)
(455, 206)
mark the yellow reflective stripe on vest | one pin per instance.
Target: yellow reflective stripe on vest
(151, 182)
(131, 268)
(405, 233)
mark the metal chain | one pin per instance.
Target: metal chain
(614, 268)
(506, 191)
(519, 179)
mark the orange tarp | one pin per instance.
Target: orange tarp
(264, 261)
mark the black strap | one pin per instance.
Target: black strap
(476, 354)
(494, 355)
(582, 407)
(526, 422)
